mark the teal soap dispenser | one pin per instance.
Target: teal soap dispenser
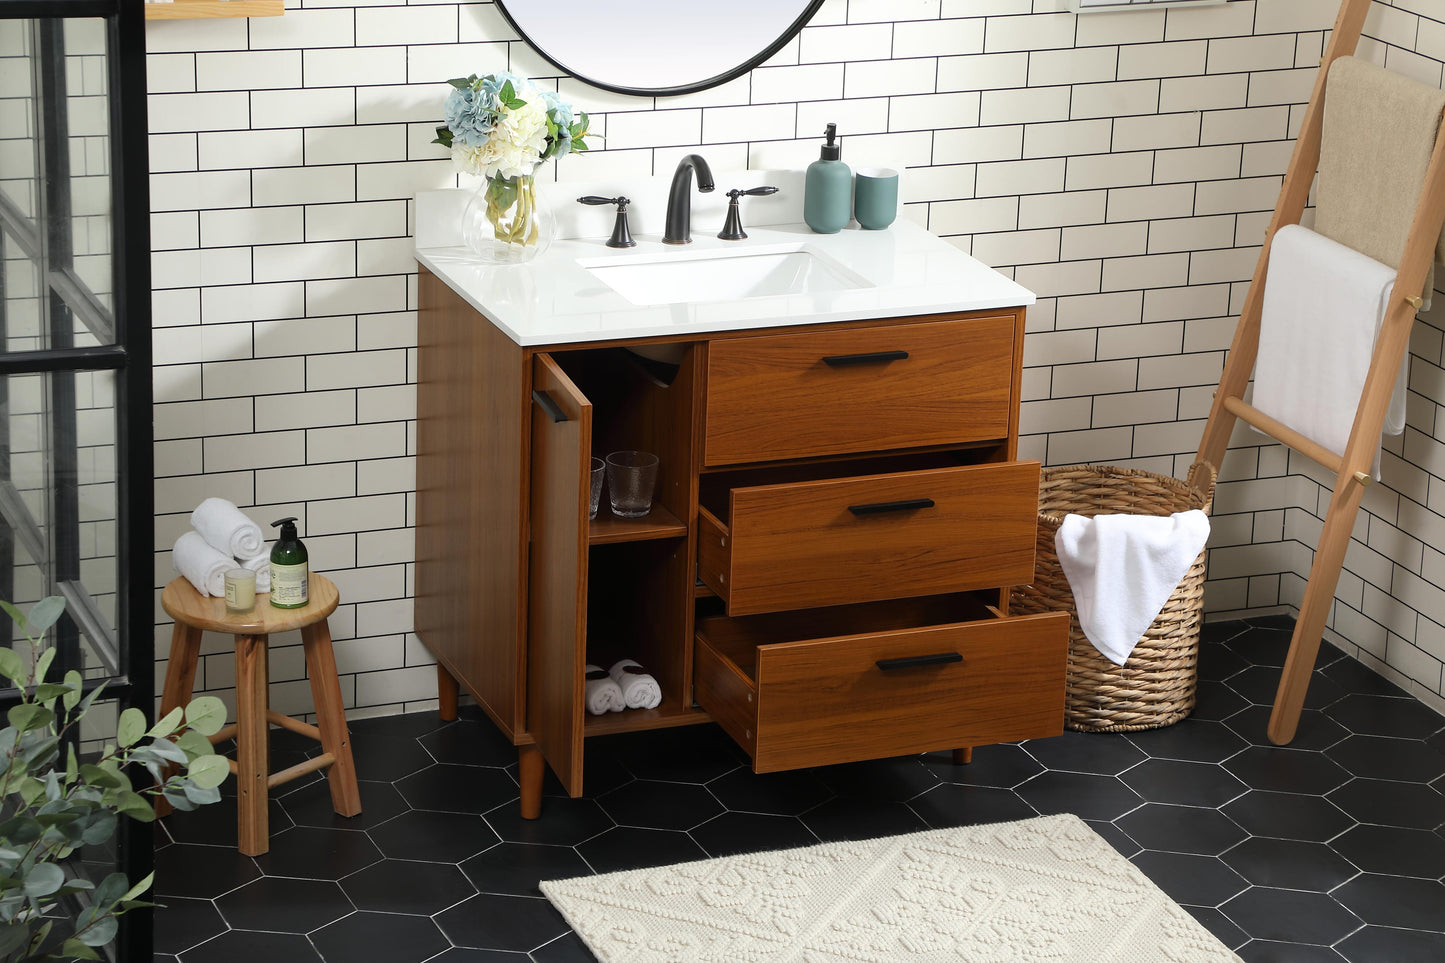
(828, 188)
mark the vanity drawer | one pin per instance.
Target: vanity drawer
(813, 699)
(861, 389)
(839, 540)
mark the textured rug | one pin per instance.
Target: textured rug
(1046, 889)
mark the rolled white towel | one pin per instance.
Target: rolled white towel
(201, 564)
(639, 690)
(227, 529)
(261, 565)
(603, 695)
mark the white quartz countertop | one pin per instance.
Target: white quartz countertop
(555, 299)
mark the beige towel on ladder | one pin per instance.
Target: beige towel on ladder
(1379, 132)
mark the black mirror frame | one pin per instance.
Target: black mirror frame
(721, 78)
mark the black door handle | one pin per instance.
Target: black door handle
(549, 406)
(867, 357)
(913, 661)
(875, 508)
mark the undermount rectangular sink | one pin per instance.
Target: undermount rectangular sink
(706, 276)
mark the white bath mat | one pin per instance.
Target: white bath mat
(1046, 889)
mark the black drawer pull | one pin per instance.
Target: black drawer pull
(549, 406)
(867, 357)
(913, 661)
(907, 505)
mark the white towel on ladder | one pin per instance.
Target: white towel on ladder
(1323, 305)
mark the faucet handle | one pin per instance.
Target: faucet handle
(733, 227)
(621, 236)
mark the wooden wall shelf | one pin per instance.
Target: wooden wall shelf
(205, 9)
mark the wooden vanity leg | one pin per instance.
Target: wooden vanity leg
(531, 769)
(448, 693)
(962, 757)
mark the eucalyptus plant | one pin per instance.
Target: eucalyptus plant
(49, 809)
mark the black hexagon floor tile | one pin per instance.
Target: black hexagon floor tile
(733, 833)
(1289, 864)
(516, 923)
(1288, 916)
(1191, 880)
(407, 886)
(1264, 856)
(307, 852)
(1096, 753)
(1181, 829)
(515, 869)
(283, 905)
(1084, 795)
(660, 805)
(1394, 851)
(1288, 815)
(778, 793)
(969, 806)
(1183, 783)
(380, 938)
(1278, 769)
(247, 946)
(1191, 740)
(457, 789)
(1387, 757)
(436, 836)
(1005, 766)
(1404, 804)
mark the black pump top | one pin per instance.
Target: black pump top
(288, 527)
(831, 150)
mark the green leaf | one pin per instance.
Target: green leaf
(13, 936)
(43, 879)
(462, 83)
(15, 614)
(131, 727)
(90, 697)
(111, 889)
(168, 751)
(507, 92)
(21, 830)
(75, 949)
(206, 715)
(444, 137)
(99, 933)
(134, 805)
(194, 745)
(98, 776)
(13, 667)
(42, 664)
(75, 684)
(138, 888)
(99, 829)
(45, 613)
(167, 725)
(28, 716)
(47, 691)
(208, 771)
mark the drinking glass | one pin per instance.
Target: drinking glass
(631, 477)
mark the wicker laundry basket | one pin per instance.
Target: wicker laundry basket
(1155, 687)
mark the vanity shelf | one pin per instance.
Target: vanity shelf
(608, 529)
(212, 9)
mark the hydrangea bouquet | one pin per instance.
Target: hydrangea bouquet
(503, 127)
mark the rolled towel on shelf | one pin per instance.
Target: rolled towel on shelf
(261, 565)
(203, 565)
(603, 694)
(639, 690)
(226, 528)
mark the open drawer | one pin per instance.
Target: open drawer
(870, 681)
(836, 541)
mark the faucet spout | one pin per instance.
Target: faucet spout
(679, 200)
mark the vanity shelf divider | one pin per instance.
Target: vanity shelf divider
(213, 9)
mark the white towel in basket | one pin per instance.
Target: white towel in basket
(1123, 568)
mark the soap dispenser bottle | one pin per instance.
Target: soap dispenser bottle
(828, 188)
(289, 576)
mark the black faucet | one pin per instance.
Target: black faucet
(679, 203)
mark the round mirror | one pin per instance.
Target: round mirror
(660, 46)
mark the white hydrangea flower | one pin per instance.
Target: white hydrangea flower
(515, 144)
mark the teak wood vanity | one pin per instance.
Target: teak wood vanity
(839, 515)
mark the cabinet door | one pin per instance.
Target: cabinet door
(557, 570)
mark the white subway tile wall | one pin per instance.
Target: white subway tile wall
(1121, 165)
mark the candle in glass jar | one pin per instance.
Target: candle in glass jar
(240, 590)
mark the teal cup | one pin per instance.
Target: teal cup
(875, 197)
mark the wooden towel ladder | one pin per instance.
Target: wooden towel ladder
(1353, 469)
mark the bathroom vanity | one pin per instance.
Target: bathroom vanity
(839, 514)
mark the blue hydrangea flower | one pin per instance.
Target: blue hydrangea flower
(470, 115)
(560, 113)
(491, 86)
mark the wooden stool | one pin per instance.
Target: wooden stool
(194, 614)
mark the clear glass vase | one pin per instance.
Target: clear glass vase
(505, 220)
